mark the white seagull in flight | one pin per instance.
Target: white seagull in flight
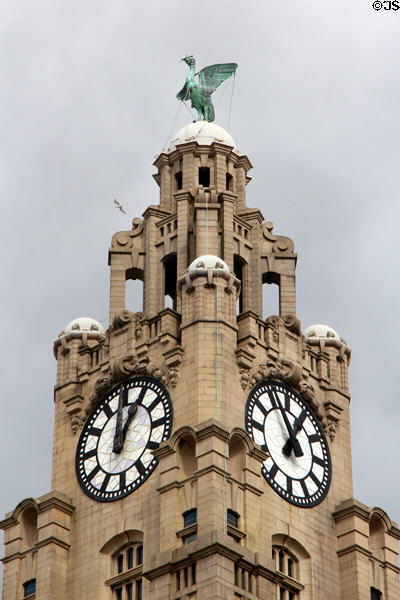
(119, 205)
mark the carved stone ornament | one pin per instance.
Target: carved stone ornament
(127, 316)
(280, 243)
(124, 239)
(76, 422)
(129, 366)
(291, 322)
(281, 370)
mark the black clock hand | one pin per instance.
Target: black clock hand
(297, 426)
(292, 443)
(118, 436)
(132, 410)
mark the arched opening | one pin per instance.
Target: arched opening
(29, 526)
(239, 268)
(134, 290)
(187, 460)
(170, 274)
(271, 292)
(376, 535)
(237, 457)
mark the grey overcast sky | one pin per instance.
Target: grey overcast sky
(87, 101)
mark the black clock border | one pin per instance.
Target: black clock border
(281, 384)
(103, 399)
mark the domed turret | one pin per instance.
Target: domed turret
(202, 132)
(82, 327)
(208, 261)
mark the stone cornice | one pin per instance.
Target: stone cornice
(211, 428)
(155, 211)
(350, 508)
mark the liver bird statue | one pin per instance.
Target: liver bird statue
(199, 92)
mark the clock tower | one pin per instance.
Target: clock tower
(201, 451)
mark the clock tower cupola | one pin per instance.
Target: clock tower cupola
(201, 444)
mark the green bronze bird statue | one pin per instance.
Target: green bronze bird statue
(199, 92)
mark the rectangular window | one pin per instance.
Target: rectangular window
(118, 594)
(291, 596)
(29, 587)
(193, 573)
(139, 555)
(129, 558)
(375, 594)
(178, 581)
(186, 576)
(139, 589)
(129, 591)
(232, 517)
(204, 176)
(282, 594)
(190, 517)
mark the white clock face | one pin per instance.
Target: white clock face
(298, 467)
(114, 454)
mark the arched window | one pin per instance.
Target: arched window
(126, 553)
(293, 567)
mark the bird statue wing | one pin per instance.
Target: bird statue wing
(183, 94)
(211, 77)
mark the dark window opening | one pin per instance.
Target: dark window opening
(120, 563)
(229, 182)
(170, 271)
(290, 567)
(178, 180)
(375, 594)
(178, 581)
(282, 594)
(281, 559)
(232, 517)
(190, 517)
(291, 595)
(129, 557)
(29, 588)
(193, 573)
(236, 575)
(139, 589)
(204, 176)
(129, 591)
(118, 593)
(238, 270)
(139, 555)
(186, 576)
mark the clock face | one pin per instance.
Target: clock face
(114, 454)
(299, 466)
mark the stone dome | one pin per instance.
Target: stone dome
(203, 132)
(208, 261)
(320, 332)
(84, 325)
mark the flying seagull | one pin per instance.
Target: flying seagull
(119, 205)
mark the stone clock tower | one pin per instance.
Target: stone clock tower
(201, 450)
